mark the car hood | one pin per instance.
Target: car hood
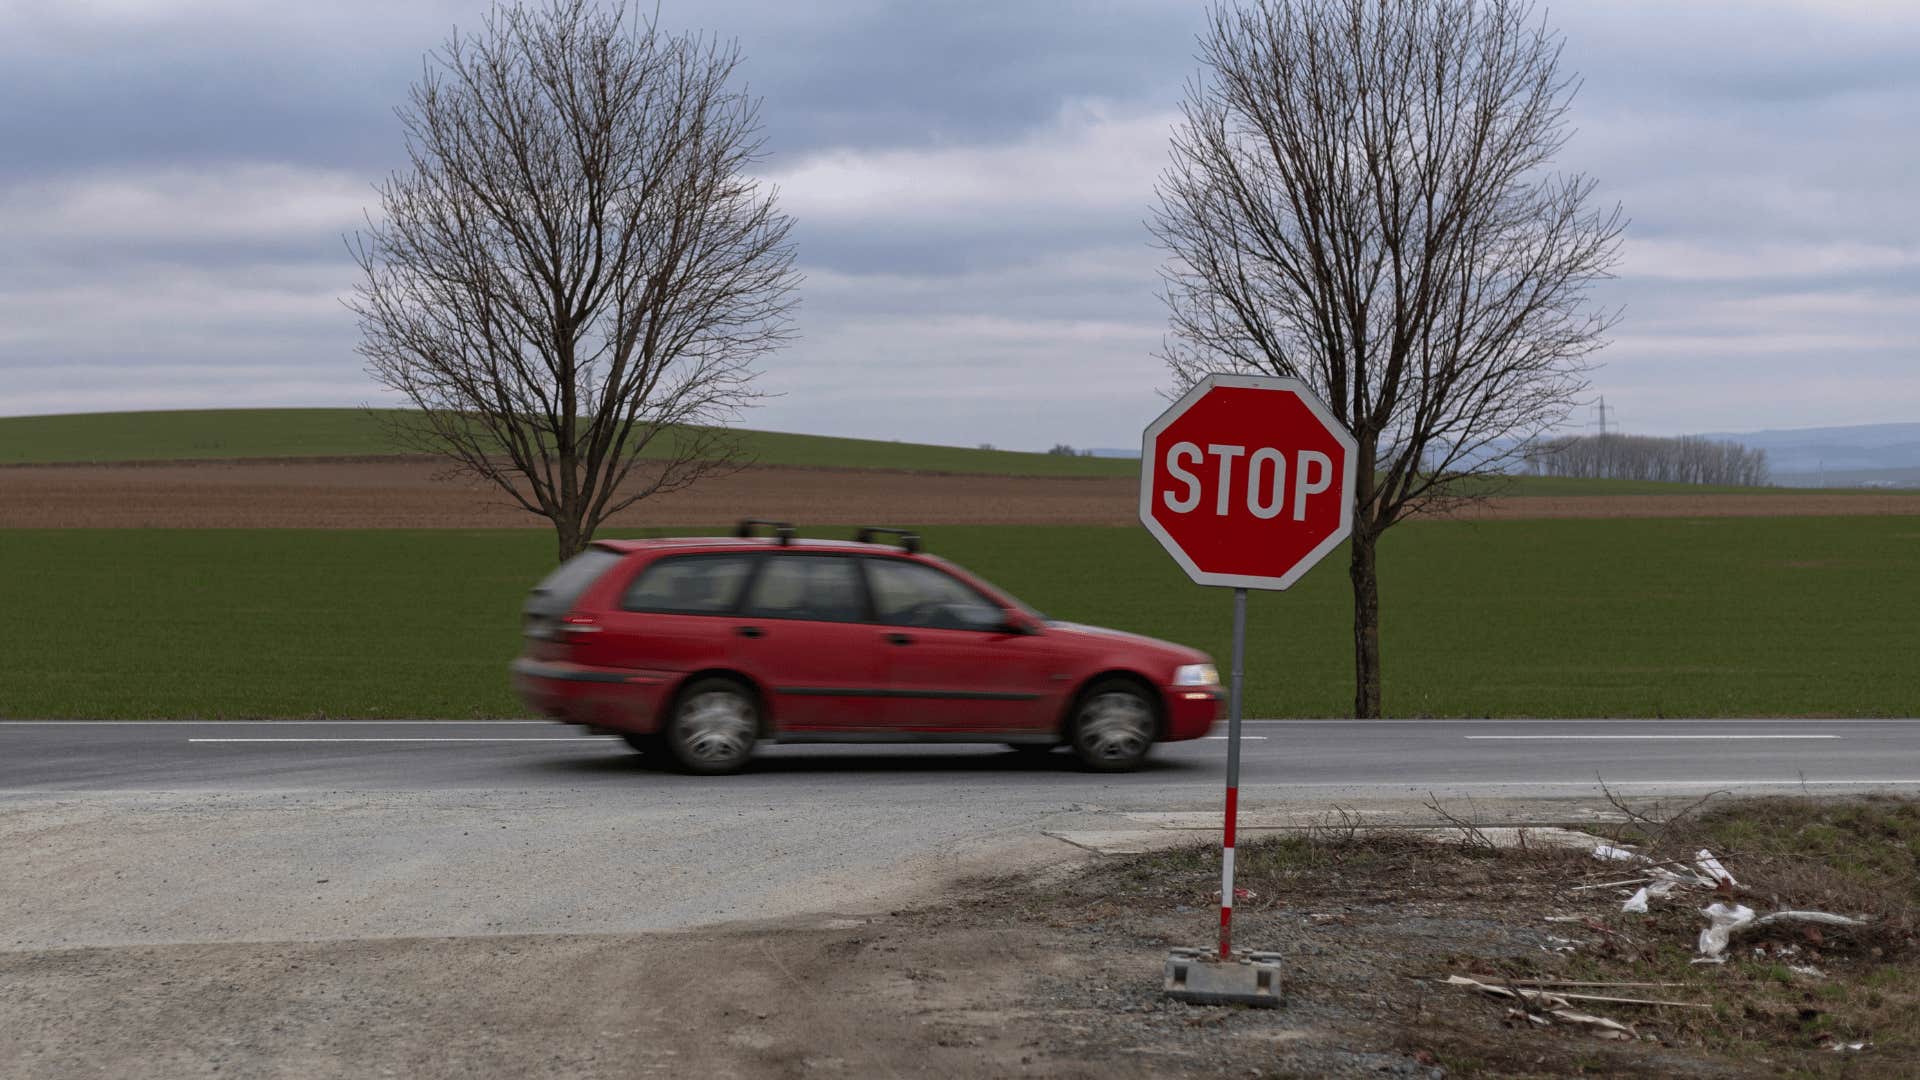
(1178, 654)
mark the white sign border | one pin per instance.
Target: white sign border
(1149, 461)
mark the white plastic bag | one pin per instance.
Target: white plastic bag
(1725, 920)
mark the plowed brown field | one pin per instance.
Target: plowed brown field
(411, 493)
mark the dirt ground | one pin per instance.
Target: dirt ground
(1056, 973)
(1008, 981)
(413, 493)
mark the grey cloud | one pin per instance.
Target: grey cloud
(970, 182)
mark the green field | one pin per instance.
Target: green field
(1629, 618)
(270, 433)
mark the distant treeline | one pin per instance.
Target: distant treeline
(1688, 459)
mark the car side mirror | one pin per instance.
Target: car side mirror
(1017, 622)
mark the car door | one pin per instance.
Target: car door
(675, 615)
(952, 666)
(803, 634)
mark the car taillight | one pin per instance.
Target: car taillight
(566, 629)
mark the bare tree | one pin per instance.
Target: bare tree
(1359, 198)
(576, 272)
(1688, 459)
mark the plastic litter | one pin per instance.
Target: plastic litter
(1712, 873)
(1724, 918)
(1656, 889)
(1609, 853)
(1824, 918)
(1738, 919)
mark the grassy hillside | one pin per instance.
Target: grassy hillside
(1629, 618)
(267, 433)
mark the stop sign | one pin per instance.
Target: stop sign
(1247, 481)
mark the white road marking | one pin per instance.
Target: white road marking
(1366, 723)
(262, 723)
(1574, 721)
(1243, 738)
(1637, 738)
(1589, 785)
(423, 738)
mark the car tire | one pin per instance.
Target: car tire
(1113, 726)
(714, 725)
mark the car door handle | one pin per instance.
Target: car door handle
(899, 639)
(749, 631)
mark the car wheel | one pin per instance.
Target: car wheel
(713, 727)
(1113, 726)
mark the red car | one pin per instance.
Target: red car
(704, 646)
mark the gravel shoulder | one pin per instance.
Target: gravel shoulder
(1050, 968)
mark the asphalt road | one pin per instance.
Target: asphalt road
(1281, 759)
(135, 833)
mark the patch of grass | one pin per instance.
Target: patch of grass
(270, 433)
(1649, 617)
(1512, 618)
(1875, 840)
(1792, 990)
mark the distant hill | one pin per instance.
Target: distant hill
(285, 433)
(1866, 453)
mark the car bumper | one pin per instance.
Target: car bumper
(1192, 710)
(620, 699)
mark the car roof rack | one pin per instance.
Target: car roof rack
(782, 531)
(909, 541)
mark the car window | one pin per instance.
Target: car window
(555, 594)
(689, 585)
(914, 594)
(823, 588)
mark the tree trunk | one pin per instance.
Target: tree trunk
(1366, 629)
(573, 539)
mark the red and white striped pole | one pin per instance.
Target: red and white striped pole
(1233, 773)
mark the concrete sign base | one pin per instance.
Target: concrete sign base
(1198, 977)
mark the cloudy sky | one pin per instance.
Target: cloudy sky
(969, 182)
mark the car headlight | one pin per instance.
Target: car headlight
(1196, 675)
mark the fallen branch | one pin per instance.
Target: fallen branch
(1611, 884)
(1635, 1001)
(1655, 831)
(1553, 1005)
(1470, 834)
(1548, 998)
(1587, 982)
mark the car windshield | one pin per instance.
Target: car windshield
(1019, 605)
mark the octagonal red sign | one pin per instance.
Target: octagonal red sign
(1247, 481)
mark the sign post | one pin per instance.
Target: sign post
(1247, 481)
(1233, 772)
